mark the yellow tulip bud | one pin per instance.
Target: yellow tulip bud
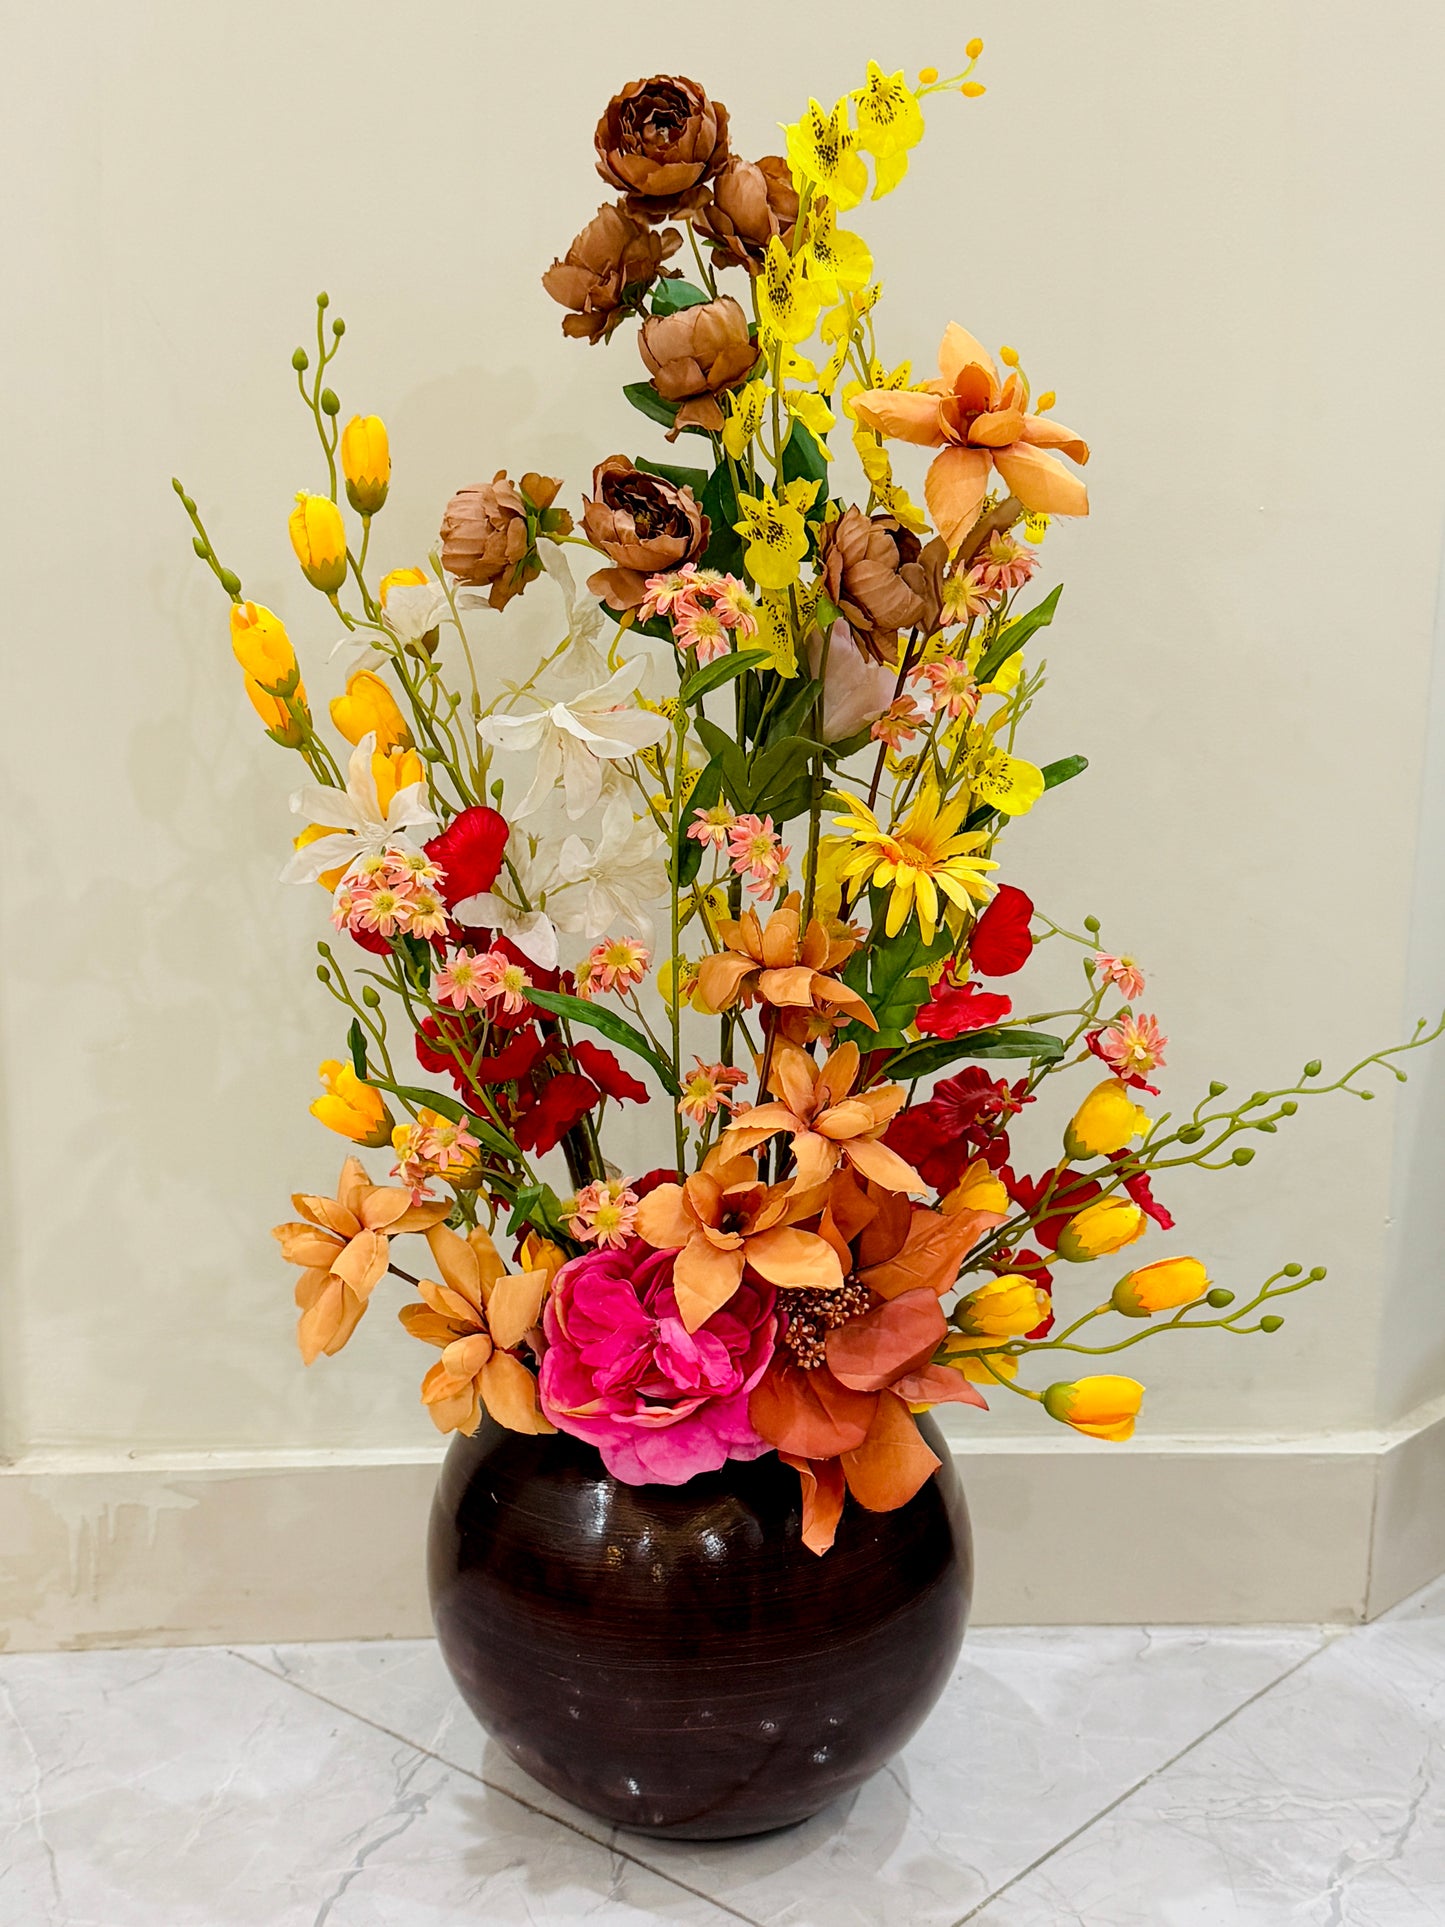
(393, 770)
(352, 1108)
(365, 462)
(1162, 1286)
(540, 1254)
(282, 726)
(319, 539)
(261, 645)
(977, 1190)
(972, 89)
(974, 48)
(1108, 1224)
(1105, 1121)
(1007, 1307)
(368, 707)
(401, 579)
(328, 878)
(1103, 1407)
(966, 1356)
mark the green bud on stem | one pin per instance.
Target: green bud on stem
(1219, 1298)
(371, 996)
(1217, 1089)
(1242, 1154)
(1272, 1323)
(301, 361)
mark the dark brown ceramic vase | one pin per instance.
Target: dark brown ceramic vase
(673, 1658)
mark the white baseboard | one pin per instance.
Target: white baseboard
(255, 1547)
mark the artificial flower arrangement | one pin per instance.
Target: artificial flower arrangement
(774, 899)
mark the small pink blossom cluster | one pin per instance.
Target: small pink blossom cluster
(481, 978)
(1122, 972)
(391, 892)
(604, 1214)
(430, 1145)
(1001, 566)
(1133, 1046)
(618, 963)
(705, 607)
(755, 850)
(946, 685)
(707, 1088)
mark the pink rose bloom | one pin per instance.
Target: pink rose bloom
(622, 1371)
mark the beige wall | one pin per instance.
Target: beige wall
(1213, 230)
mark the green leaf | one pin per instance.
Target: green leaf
(694, 478)
(688, 855)
(1064, 771)
(1012, 639)
(578, 1011)
(538, 1205)
(934, 1054)
(714, 674)
(850, 745)
(787, 719)
(778, 770)
(803, 461)
(826, 612)
(894, 993)
(720, 504)
(668, 297)
(356, 1044)
(724, 751)
(645, 397)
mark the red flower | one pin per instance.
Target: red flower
(604, 1070)
(542, 1122)
(962, 1120)
(955, 1008)
(507, 1066)
(469, 850)
(1133, 1080)
(1001, 943)
(1139, 1191)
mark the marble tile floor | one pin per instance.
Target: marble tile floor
(1070, 1777)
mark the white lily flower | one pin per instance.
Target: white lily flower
(531, 930)
(359, 827)
(608, 884)
(584, 663)
(573, 740)
(413, 609)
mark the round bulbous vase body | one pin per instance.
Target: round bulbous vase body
(673, 1658)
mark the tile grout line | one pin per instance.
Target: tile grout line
(1326, 1642)
(569, 1826)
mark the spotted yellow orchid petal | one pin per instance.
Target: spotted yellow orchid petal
(896, 502)
(747, 409)
(788, 301)
(836, 259)
(1003, 782)
(815, 415)
(890, 122)
(822, 148)
(796, 367)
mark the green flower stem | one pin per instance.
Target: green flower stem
(817, 786)
(1271, 1289)
(679, 729)
(204, 547)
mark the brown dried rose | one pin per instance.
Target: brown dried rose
(645, 523)
(489, 532)
(693, 355)
(751, 201)
(861, 560)
(661, 141)
(607, 271)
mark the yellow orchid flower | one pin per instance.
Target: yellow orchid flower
(747, 408)
(796, 367)
(890, 122)
(788, 300)
(1004, 782)
(836, 259)
(822, 148)
(814, 413)
(775, 628)
(775, 532)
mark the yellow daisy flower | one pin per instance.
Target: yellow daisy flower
(926, 855)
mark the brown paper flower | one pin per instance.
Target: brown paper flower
(660, 141)
(861, 560)
(693, 355)
(645, 523)
(608, 269)
(751, 201)
(489, 532)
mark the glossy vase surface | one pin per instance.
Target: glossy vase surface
(673, 1658)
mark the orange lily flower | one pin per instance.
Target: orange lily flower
(478, 1312)
(722, 1219)
(826, 1123)
(343, 1246)
(781, 964)
(979, 424)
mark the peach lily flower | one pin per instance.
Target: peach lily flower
(826, 1122)
(786, 966)
(342, 1244)
(978, 422)
(723, 1219)
(473, 1317)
